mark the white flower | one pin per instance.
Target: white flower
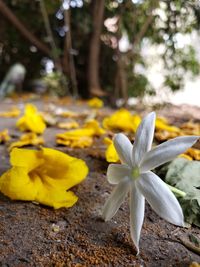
(134, 175)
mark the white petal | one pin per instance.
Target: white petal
(116, 199)
(137, 205)
(160, 198)
(143, 138)
(123, 147)
(116, 172)
(166, 151)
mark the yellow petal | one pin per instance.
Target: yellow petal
(110, 153)
(162, 135)
(190, 128)
(94, 126)
(162, 124)
(43, 176)
(12, 113)
(16, 184)
(66, 169)
(27, 139)
(80, 137)
(31, 121)
(74, 141)
(193, 153)
(68, 125)
(95, 103)
(122, 120)
(4, 136)
(185, 156)
(29, 159)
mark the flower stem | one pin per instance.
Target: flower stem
(176, 191)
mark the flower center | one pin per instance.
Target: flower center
(135, 173)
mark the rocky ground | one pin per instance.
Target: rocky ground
(36, 235)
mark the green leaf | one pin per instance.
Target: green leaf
(185, 175)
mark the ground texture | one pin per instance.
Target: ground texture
(35, 235)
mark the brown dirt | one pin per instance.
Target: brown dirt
(35, 235)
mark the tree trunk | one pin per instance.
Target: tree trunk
(8, 14)
(54, 49)
(93, 68)
(68, 59)
(121, 77)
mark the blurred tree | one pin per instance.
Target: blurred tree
(94, 48)
(84, 38)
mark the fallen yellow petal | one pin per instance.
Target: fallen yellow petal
(26, 140)
(193, 153)
(162, 124)
(185, 157)
(110, 153)
(31, 121)
(74, 141)
(80, 137)
(4, 136)
(43, 176)
(67, 114)
(95, 103)
(68, 125)
(162, 135)
(12, 113)
(194, 264)
(122, 120)
(190, 128)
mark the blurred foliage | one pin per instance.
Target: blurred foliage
(168, 20)
(56, 83)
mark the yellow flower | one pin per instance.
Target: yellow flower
(4, 136)
(95, 103)
(74, 141)
(68, 125)
(80, 137)
(43, 176)
(12, 113)
(122, 120)
(185, 156)
(111, 153)
(194, 264)
(193, 153)
(162, 124)
(190, 128)
(27, 139)
(31, 121)
(66, 113)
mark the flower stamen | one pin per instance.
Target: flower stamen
(135, 173)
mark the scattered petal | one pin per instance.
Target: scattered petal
(80, 137)
(110, 153)
(43, 176)
(4, 136)
(26, 140)
(162, 124)
(12, 113)
(68, 125)
(95, 103)
(122, 120)
(31, 121)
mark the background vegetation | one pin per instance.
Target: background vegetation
(84, 41)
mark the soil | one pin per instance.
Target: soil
(36, 235)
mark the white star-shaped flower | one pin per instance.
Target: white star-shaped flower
(134, 175)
